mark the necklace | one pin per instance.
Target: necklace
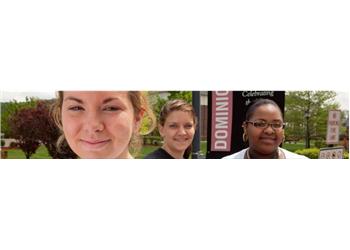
(279, 155)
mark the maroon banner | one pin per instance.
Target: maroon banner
(221, 121)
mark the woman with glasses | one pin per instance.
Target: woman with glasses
(263, 129)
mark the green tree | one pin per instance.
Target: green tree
(306, 114)
(8, 109)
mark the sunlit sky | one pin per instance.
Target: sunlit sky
(342, 97)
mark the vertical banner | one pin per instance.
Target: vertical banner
(333, 126)
(226, 113)
(221, 121)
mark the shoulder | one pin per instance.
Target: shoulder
(158, 154)
(238, 155)
(291, 155)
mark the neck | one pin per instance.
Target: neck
(256, 155)
(173, 153)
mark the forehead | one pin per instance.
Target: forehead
(179, 116)
(267, 112)
(96, 96)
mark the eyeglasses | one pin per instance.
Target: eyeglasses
(265, 124)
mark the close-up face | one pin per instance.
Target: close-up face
(99, 124)
(265, 139)
(178, 131)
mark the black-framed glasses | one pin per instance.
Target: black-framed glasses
(265, 124)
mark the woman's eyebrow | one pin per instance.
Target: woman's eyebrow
(110, 99)
(71, 98)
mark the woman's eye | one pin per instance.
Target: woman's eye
(75, 108)
(172, 126)
(188, 126)
(260, 124)
(111, 108)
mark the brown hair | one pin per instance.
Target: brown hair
(177, 105)
(139, 101)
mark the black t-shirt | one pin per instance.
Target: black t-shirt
(159, 154)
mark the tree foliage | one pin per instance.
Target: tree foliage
(313, 105)
(34, 126)
(22, 128)
(8, 109)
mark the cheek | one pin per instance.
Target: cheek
(169, 133)
(70, 126)
(122, 126)
(192, 132)
(253, 134)
(280, 136)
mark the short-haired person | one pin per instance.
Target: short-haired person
(264, 130)
(101, 124)
(176, 125)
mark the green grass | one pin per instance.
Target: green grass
(41, 153)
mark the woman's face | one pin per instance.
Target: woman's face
(265, 141)
(177, 132)
(98, 124)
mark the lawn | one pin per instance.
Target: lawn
(41, 153)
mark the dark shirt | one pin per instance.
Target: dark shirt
(159, 154)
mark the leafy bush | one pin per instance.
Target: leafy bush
(13, 144)
(311, 153)
(152, 140)
(2, 143)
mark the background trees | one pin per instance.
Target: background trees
(32, 126)
(22, 128)
(306, 114)
(8, 109)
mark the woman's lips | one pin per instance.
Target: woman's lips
(181, 139)
(268, 139)
(94, 144)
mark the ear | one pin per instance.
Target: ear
(138, 120)
(161, 129)
(244, 126)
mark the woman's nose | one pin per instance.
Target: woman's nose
(182, 130)
(94, 123)
(269, 129)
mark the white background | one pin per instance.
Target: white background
(179, 45)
